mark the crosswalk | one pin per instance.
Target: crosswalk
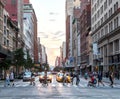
(82, 84)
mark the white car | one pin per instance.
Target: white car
(27, 76)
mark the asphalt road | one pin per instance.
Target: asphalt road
(55, 90)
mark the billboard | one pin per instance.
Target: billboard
(95, 48)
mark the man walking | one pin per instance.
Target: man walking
(100, 78)
(77, 78)
(111, 78)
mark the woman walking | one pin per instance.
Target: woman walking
(7, 80)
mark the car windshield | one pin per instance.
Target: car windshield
(27, 73)
(48, 73)
(60, 74)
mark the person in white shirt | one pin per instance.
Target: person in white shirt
(12, 78)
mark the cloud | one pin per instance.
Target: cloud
(52, 20)
(52, 13)
(57, 33)
(42, 35)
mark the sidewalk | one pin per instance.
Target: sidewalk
(116, 81)
(3, 81)
(106, 80)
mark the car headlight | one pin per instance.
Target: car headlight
(50, 76)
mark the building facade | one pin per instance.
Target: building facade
(85, 24)
(105, 22)
(30, 15)
(15, 10)
(28, 30)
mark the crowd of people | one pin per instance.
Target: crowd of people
(96, 78)
(9, 81)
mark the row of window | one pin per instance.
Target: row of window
(6, 42)
(1, 24)
(6, 32)
(97, 4)
(1, 11)
(113, 48)
(106, 29)
(103, 18)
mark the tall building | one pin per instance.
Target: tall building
(75, 35)
(63, 54)
(28, 30)
(31, 20)
(85, 24)
(105, 17)
(8, 41)
(70, 4)
(57, 61)
(44, 55)
(15, 10)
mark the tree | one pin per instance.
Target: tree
(28, 62)
(5, 65)
(19, 59)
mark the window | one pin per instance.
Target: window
(4, 41)
(1, 10)
(102, 32)
(105, 5)
(116, 22)
(5, 19)
(5, 30)
(110, 12)
(101, 20)
(101, 9)
(106, 29)
(110, 1)
(1, 24)
(105, 16)
(7, 43)
(115, 6)
(98, 2)
(116, 45)
(8, 33)
(111, 48)
(110, 26)
(99, 35)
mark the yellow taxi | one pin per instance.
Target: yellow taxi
(59, 77)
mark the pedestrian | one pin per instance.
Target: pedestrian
(111, 78)
(72, 76)
(100, 78)
(32, 80)
(64, 78)
(7, 80)
(77, 79)
(12, 78)
(86, 76)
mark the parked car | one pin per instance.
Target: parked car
(27, 76)
(42, 77)
(59, 77)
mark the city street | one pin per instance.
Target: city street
(55, 90)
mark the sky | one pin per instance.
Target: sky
(51, 25)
